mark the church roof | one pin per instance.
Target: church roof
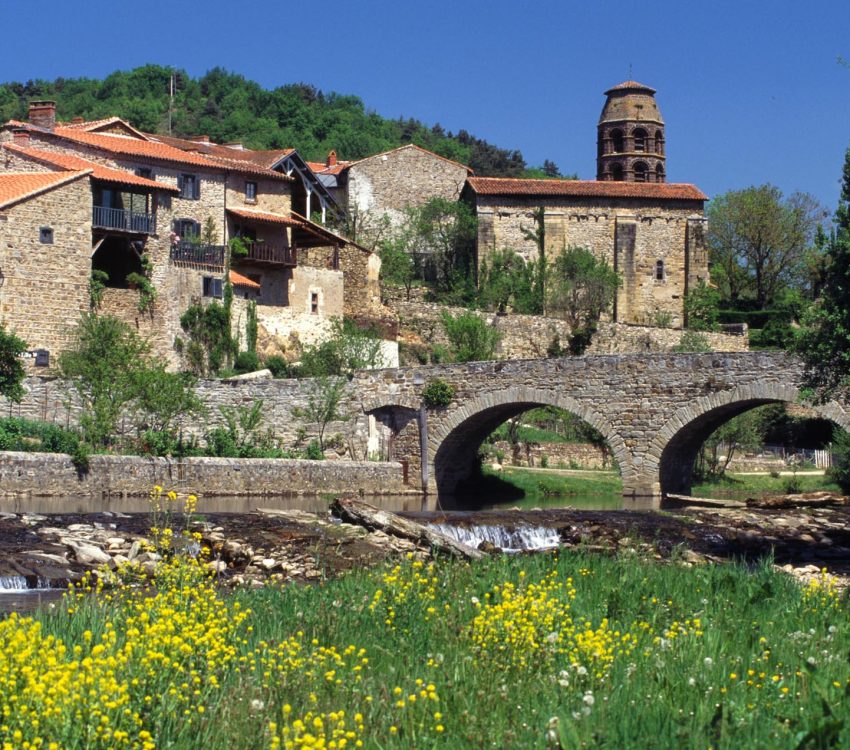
(658, 191)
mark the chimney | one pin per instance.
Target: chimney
(200, 139)
(77, 120)
(21, 137)
(43, 114)
(331, 160)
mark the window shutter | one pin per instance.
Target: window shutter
(196, 228)
(197, 194)
(175, 226)
(180, 184)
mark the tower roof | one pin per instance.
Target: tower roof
(630, 86)
(631, 101)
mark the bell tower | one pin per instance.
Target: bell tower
(630, 136)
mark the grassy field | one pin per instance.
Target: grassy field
(741, 486)
(540, 651)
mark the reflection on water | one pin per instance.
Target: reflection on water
(28, 600)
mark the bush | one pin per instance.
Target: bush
(839, 472)
(11, 370)
(278, 366)
(438, 393)
(692, 342)
(246, 362)
(314, 451)
(470, 338)
(18, 434)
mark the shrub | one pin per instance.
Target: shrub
(246, 362)
(839, 472)
(11, 369)
(438, 393)
(692, 342)
(278, 366)
(470, 338)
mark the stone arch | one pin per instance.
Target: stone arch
(617, 141)
(453, 442)
(617, 172)
(641, 138)
(399, 418)
(641, 171)
(674, 448)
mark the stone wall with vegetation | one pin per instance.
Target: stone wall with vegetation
(552, 455)
(530, 336)
(53, 475)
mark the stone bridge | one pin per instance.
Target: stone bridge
(655, 410)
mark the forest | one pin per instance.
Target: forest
(229, 108)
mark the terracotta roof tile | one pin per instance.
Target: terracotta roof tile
(15, 187)
(319, 167)
(143, 147)
(631, 86)
(586, 188)
(99, 172)
(237, 279)
(262, 158)
(265, 217)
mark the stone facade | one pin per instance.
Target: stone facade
(44, 475)
(529, 336)
(45, 287)
(387, 183)
(657, 245)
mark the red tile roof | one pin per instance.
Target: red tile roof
(265, 159)
(237, 279)
(16, 187)
(586, 189)
(631, 86)
(264, 217)
(319, 167)
(147, 148)
(99, 172)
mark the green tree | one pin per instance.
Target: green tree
(325, 394)
(11, 369)
(702, 305)
(758, 240)
(579, 288)
(163, 398)
(740, 433)
(470, 338)
(505, 281)
(824, 339)
(104, 364)
(397, 265)
(348, 349)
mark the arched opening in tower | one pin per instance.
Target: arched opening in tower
(617, 172)
(640, 139)
(641, 172)
(617, 141)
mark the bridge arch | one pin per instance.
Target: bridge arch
(453, 445)
(673, 450)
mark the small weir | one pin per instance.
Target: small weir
(520, 538)
(17, 584)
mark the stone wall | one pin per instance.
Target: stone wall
(53, 475)
(530, 336)
(631, 235)
(553, 455)
(45, 287)
(385, 184)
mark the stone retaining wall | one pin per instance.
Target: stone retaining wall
(554, 455)
(53, 475)
(530, 336)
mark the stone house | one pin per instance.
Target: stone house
(170, 214)
(385, 184)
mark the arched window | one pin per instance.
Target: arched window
(659, 142)
(617, 141)
(641, 173)
(659, 270)
(617, 172)
(659, 173)
(639, 135)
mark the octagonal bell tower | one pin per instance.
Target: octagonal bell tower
(630, 136)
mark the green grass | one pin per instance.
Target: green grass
(725, 657)
(740, 486)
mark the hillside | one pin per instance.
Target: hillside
(228, 107)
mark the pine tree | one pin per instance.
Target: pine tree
(824, 340)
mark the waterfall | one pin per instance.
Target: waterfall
(519, 538)
(19, 583)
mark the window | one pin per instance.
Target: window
(641, 174)
(251, 191)
(617, 141)
(617, 172)
(659, 270)
(659, 173)
(639, 135)
(189, 186)
(187, 228)
(314, 303)
(145, 172)
(213, 287)
(45, 235)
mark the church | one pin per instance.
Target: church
(649, 230)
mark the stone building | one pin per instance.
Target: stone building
(170, 214)
(650, 231)
(385, 184)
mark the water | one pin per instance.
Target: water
(521, 538)
(17, 596)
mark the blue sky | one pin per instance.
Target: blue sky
(751, 90)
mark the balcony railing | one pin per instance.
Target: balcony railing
(262, 253)
(125, 221)
(197, 254)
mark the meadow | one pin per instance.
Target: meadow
(561, 650)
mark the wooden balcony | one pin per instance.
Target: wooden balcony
(123, 221)
(263, 254)
(195, 254)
